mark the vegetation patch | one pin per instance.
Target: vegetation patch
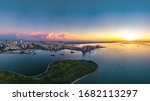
(59, 72)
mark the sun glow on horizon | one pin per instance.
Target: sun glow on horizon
(130, 37)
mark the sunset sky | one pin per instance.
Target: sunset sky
(99, 20)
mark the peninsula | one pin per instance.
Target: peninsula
(59, 72)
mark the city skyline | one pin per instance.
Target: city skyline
(86, 20)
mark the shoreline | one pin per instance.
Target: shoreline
(84, 76)
(29, 76)
(47, 69)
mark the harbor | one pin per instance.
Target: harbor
(28, 47)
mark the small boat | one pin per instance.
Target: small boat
(62, 54)
(34, 53)
(31, 52)
(72, 52)
(22, 52)
(52, 55)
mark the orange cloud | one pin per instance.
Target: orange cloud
(44, 36)
(55, 36)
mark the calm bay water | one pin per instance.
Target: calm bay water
(118, 63)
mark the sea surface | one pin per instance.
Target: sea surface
(118, 63)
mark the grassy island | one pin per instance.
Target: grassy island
(59, 72)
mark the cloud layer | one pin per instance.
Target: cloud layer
(36, 36)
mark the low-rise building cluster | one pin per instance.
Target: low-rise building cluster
(42, 45)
